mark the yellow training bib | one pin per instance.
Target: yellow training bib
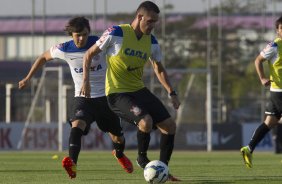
(125, 70)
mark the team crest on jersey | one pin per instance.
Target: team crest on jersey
(136, 110)
(59, 46)
(79, 113)
(105, 34)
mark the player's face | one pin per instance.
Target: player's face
(279, 31)
(80, 38)
(148, 22)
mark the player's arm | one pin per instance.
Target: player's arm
(163, 78)
(260, 71)
(89, 54)
(39, 62)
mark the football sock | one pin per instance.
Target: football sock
(119, 148)
(143, 140)
(75, 143)
(258, 135)
(166, 146)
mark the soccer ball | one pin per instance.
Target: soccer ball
(156, 172)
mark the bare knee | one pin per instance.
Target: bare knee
(146, 124)
(271, 121)
(79, 124)
(117, 139)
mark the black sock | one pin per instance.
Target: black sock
(75, 143)
(143, 140)
(166, 146)
(119, 148)
(258, 135)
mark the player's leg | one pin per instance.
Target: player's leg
(128, 107)
(118, 153)
(78, 127)
(143, 140)
(80, 124)
(261, 131)
(108, 121)
(163, 121)
(159, 118)
(258, 135)
(118, 144)
(273, 114)
(167, 129)
(69, 163)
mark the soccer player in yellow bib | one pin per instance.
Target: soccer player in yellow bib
(273, 54)
(128, 47)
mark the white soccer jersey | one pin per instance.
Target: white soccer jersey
(74, 57)
(111, 42)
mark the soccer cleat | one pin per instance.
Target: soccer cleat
(142, 161)
(247, 156)
(124, 162)
(172, 178)
(69, 166)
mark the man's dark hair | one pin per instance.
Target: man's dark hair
(77, 24)
(148, 6)
(278, 21)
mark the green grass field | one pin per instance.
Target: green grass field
(100, 167)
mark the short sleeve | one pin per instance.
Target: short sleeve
(56, 52)
(105, 40)
(269, 51)
(155, 50)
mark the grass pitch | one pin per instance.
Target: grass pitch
(100, 167)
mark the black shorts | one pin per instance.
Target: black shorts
(133, 106)
(274, 106)
(96, 109)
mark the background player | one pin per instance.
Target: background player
(273, 54)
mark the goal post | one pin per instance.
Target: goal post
(61, 103)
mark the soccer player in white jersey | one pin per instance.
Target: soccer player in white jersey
(85, 110)
(273, 54)
(129, 47)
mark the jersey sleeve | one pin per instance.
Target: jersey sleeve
(155, 50)
(269, 51)
(105, 40)
(56, 52)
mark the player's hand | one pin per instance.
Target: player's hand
(265, 82)
(175, 102)
(23, 83)
(85, 90)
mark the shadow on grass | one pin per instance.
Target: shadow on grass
(244, 179)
